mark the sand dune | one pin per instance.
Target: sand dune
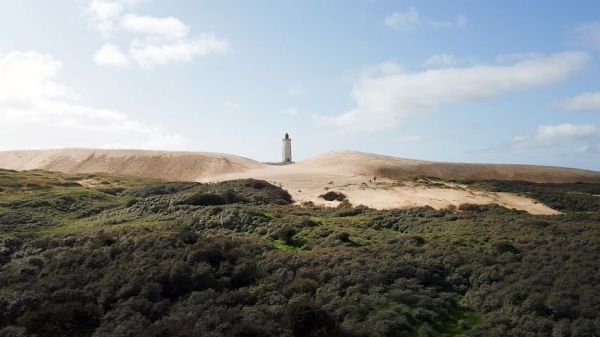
(152, 164)
(306, 183)
(393, 167)
(347, 171)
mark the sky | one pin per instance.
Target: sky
(464, 81)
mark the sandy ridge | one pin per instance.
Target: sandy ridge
(347, 171)
(151, 164)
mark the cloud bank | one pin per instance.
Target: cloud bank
(112, 56)
(589, 101)
(147, 25)
(36, 109)
(156, 41)
(561, 134)
(404, 21)
(385, 96)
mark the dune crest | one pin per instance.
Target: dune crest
(354, 162)
(150, 164)
(350, 172)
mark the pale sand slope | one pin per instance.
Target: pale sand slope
(152, 164)
(307, 184)
(393, 167)
(345, 171)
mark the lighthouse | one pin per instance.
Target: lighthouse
(287, 150)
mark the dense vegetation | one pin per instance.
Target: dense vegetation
(97, 255)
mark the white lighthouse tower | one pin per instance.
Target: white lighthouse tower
(287, 150)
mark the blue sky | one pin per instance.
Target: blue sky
(469, 81)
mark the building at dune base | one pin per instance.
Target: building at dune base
(286, 157)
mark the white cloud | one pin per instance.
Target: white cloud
(23, 78)
(443, 60)
(111, 55)
(386, 96)
(589, 101)
(156, 40)
(403, 20)
(147, 25)
(34, 106)
(565, 132)
(411, 18)
(587, 35)
(515, 57)
(104, 15)
(590, 149)
(556, 135)
(148, 54)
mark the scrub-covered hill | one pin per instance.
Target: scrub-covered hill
(105, 255)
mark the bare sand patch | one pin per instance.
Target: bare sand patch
(306, 185)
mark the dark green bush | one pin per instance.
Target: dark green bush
(64, 319)
(504, 247)
(343, 236)
(162, 188)
(308, 319)
(232, 197)
(333, 196)
(468, 207)
(286, 234)
(300, 286)
(205, 199)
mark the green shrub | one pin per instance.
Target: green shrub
(333, 196)
(308, 319)
(257, 184)
(286, 234)
(504, 247)
(300, 286)
(64, 319)
(205, 199)
(232, 197)
(468, 207)
(343, 236)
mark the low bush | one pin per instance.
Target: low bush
(300, 286)
(333, 196)
(286, 234)
(205, 199)
(343, 236)
(308, 319)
